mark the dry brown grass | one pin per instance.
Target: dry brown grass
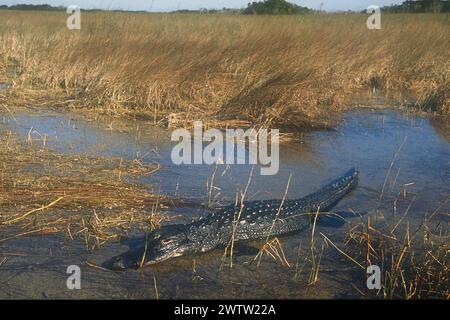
(286, 71)
(44, 192)
(414, 262)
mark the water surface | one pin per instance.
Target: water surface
(367, 140)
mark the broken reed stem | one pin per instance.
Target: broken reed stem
(276, 217)
(314, 276)
(274, 249)
(404, 215)
(142, 262)
(211, 185)
(156, 287)
(369, 247)
(95, 266)
(236, 220)
(391, 165)
(11, 114)
(342, 252)
(27, 233)
(297, 262)
(312, 247)
(34, 210)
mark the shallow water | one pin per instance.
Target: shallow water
(367, 140)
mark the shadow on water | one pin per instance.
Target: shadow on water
(368, 140)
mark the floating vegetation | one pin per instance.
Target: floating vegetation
(46, 192)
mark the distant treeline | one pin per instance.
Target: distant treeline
(46, 7)
(273, 7)
(263, 7)
(211, 11)
(420, 6)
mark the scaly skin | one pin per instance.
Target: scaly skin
(257, 220)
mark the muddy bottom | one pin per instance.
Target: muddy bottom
(404, 164)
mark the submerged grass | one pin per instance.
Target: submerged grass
(96, 198)
(280, 71)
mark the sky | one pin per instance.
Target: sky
(170, 5)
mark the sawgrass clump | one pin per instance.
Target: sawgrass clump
(288, 72)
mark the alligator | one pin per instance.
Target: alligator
(250, 220)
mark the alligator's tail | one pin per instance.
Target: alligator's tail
(328, 196)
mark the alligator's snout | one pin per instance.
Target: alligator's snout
(118, 265)
(165, 243)
(127, 260)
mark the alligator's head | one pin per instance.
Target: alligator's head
(167, 242)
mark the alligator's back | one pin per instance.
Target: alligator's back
(259, 219)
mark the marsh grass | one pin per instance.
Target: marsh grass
(414, 262)
(97, 199)
(280, 71)
(274, 249)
